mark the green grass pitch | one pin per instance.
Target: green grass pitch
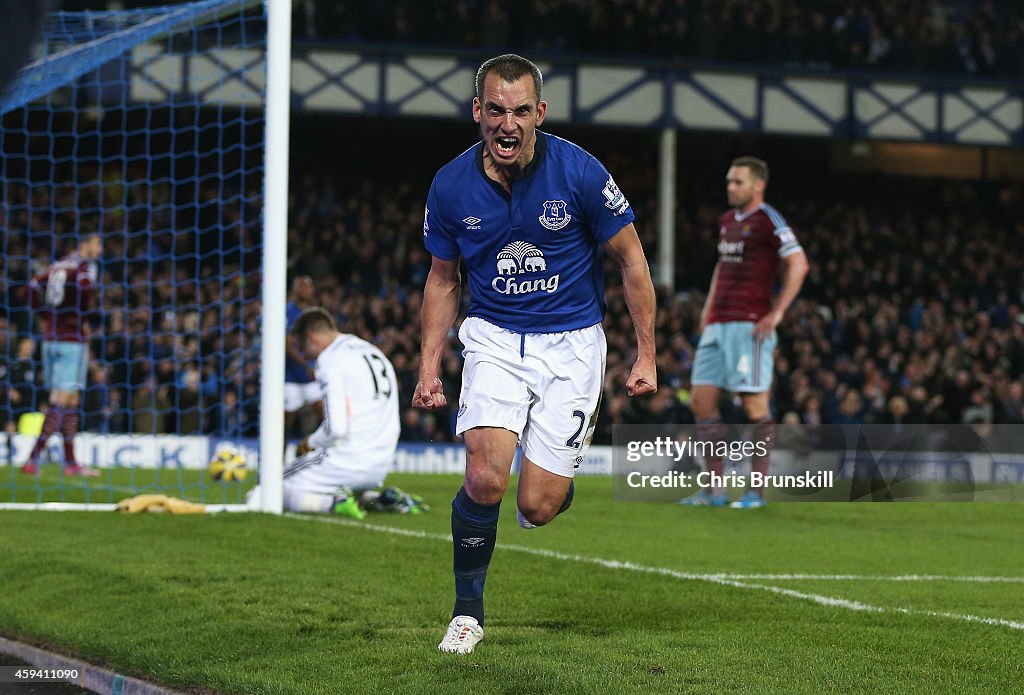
(612, 597)
(114, 484)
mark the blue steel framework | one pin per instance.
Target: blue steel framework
(854, 106)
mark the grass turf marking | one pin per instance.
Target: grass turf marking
(739, 581)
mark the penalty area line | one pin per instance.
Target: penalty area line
(740, 581)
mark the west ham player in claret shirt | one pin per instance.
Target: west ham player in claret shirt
(63, 297)
(739, 319)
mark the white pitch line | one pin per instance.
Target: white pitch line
(874, 578)
(741, 581)
(816, 598)
(966, 618)
(711, 577)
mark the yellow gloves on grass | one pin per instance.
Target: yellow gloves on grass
(159, 503)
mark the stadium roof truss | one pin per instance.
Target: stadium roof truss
(377, 83)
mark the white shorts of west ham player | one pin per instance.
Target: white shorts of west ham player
(545, 387)
(323, 471)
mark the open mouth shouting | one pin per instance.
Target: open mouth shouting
(506, 146)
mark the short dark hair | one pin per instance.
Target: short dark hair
(510, 67)
(301, 277)
(758, 167)
(315, 319)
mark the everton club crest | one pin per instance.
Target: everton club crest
(555, 217)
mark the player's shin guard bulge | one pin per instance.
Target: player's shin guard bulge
(474, 530)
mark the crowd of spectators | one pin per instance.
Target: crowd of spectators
(174, 343)
(911, 312)
(979, 37)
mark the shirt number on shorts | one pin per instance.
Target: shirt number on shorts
(743, 366)
(573, 442)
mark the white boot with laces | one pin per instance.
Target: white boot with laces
(463, 634)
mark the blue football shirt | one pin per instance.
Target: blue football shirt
(533, 257)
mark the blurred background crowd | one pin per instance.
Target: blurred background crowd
(979, 37)
(174, 343)
(955, 37)
(911, 312)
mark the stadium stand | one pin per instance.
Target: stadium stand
(912, 293)
(955, 37)
(942, 36)
(911, 310)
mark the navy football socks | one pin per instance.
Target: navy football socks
(474, 531)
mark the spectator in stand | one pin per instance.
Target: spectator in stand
(980, 408)
(100, 404)
(851, 409)
(1011, 403)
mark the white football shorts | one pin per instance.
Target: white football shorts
(545, 387)
(323, 471)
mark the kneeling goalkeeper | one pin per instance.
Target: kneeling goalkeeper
(352, 450)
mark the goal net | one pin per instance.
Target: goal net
(145, 126)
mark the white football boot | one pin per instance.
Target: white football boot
(463, 634)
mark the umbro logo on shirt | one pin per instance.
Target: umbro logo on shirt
(472, 222)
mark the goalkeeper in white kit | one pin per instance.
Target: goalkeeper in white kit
(341, 467)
